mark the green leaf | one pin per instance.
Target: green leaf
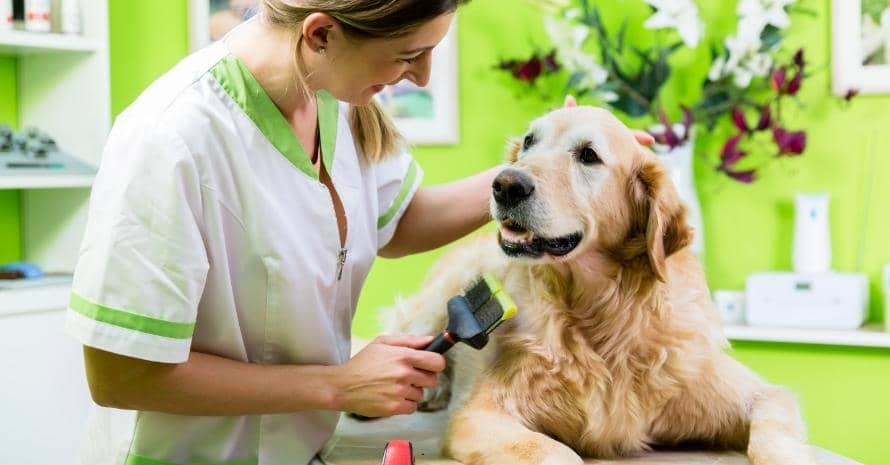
(628, 105)
(770, 37)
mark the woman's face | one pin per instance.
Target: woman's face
(358, 69)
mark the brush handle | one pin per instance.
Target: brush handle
(441, 343)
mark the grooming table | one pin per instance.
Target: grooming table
(361, 443)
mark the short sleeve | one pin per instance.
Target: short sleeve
(398, 179)
(142, 264)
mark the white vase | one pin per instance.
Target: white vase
(678, 162)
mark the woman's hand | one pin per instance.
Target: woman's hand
(387, 377)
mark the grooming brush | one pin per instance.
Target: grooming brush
(474, 315)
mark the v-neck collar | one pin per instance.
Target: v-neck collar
(244, 89)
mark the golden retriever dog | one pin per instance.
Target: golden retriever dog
(617, 347)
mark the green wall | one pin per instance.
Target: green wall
(147, 38)
(10, 226)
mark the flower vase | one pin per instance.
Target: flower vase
(678, 162)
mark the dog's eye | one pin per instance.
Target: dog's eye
(588, 156)
(528, 142)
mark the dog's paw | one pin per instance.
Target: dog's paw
(437, 397)
(563, 456)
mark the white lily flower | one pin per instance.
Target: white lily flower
(679, 14)
(745, 60)
(718, 69)
(569, 39)
(565, 35)
(765, 12)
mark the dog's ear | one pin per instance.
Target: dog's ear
(660, 213)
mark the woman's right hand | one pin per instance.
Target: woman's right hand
(387, 377)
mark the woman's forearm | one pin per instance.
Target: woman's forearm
(441, 214)
(207, 385)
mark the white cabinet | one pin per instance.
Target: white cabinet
(64, 90)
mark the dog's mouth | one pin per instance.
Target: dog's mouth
(517, 241)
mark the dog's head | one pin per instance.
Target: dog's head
(577, 182)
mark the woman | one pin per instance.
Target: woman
(240, 203)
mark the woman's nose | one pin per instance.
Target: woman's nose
(419, 73)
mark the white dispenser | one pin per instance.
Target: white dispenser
(812, 241)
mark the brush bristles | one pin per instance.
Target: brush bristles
(489, 315)
(478, 293)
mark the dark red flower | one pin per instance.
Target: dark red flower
(528, 71)
(669, 137)
(794, 85)
(550, 63)
(799, 59)
(738, 118)
(731, 154)
(777, 80)
(766, 118)
(687, 121)
(790, 142)
(746, 176)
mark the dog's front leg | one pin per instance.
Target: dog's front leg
(482, 433)
(778, 435)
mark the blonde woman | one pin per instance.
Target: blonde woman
(239, 205)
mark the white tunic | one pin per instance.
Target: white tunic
(209, 230)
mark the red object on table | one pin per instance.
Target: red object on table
(398, 452)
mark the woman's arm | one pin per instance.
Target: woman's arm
(385, 378)
(439, 215)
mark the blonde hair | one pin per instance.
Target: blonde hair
(374, 132)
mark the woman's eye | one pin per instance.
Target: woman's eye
(411, 60)
(588, 156)
(528, 142)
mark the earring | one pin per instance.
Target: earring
(321, 51)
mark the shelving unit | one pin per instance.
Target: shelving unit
(867, 336)
(22, 43)
(64, 90)
(59, 181)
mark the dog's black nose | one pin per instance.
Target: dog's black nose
(511, 187)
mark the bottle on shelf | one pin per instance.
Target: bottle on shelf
(70, 17)
(37, 16)
(5, 15)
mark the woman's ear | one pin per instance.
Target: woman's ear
(318, 30)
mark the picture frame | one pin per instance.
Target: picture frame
(429, 115)
(860, 36)
(211, 19)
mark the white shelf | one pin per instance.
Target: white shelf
(46, 181)
(867, 336)
(48, 293)
(32, 43)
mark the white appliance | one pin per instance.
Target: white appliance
(807, 300)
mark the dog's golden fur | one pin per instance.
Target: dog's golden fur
(616, 347)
